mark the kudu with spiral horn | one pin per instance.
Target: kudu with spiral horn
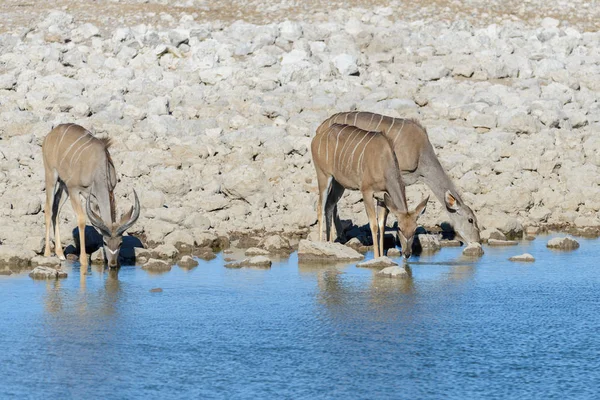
(78, 163)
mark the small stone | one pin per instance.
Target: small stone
(394, 252)
(450, 243)
(229, 259)
(378, 262)
(474, 249)
(156, 290)
(42, 272)
(205, 253)
(429, 243)
(564, 243)
(256, 261)
(496, 242)
(526, 257)
(255, 251)
(154, 265)
(326, 252)
(233, 265)
(187, 262)
(395, 272)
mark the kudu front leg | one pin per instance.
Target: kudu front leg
(335, 194)
(50, 183)
(382, 214)
(76, 203)
(372, 216)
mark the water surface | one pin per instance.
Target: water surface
(457, 329)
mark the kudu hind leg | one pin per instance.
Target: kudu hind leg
(335, 194)
(51, 182)
(324, 183)
(76, 203)
(60, 198)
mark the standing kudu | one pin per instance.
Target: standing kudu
(78, 163)
(417, 160)
(347, 157)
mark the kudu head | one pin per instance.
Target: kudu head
(407, 223)
(112, 233)
(463, 218)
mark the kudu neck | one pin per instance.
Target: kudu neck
(395, 189)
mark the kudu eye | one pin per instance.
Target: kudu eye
(470, 220)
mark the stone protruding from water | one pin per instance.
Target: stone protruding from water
(256, 262)
(450, 243)
(498, 242)
(379, 262)
(275, 244)
(473, 250)
(14, 256)
(492, 233)
(43, 272)
(187, 262)
(429, 243)
(525, 257)
(563, 243)
(394, 252)
(41, 261)
(155, 265)
(326, 252)
(395, 271)
(255, 251)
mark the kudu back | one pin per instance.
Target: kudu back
(77, 163)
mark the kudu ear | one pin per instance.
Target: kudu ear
(451, 202)
(126, 217)
(420, 209)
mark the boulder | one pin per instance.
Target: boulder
(205, 253)
(525, 257)
(429, 243)
(395, 271)
(394, 252)
(256, 261)
(563, 243)
(326, 252)
(52, 262)
(496, 242)
(255, 251)
(379, 262)
(154, 265)
(187, 262)
(165, 251)
(43, 272)
(15, 257)
(276, 244)
(492, 233)
(473, 250)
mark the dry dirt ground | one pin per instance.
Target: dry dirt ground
(107, 14)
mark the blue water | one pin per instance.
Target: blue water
(458, 329)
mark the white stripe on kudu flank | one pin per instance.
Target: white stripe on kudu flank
(398, 133)
(369, 126)
(353, 151)
(69, 149)
(363, 151)
(337, 141)
(378, 124)
(58, 143)
(355, 117)
(79, 150)
(346, 146)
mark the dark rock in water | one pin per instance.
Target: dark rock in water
(42, 272)
(15, 258)
(379, 262)
(154, 265)
(564, 243)
(326, 252)
(5, 272)
(73, 257)
(156, 290)
(187, 262)
(497, 242)
(248, 241)
(228, 259)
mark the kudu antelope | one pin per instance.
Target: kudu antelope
(78, 163)
(417, 160)
(347, 157)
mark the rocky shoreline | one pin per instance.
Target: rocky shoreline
(211, 122)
